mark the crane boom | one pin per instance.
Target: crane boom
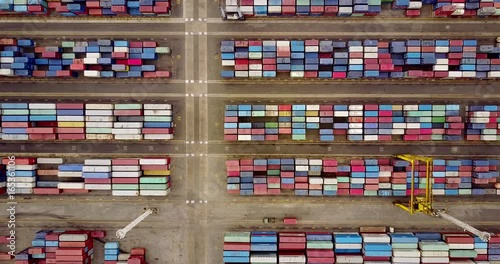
(485, 236)
(122, 232)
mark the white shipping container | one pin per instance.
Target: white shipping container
(93, 55)
(358, 180)
(126, 174)
(157, 112)
(371, 137)
(345, 10)
(370, 55)
(255, 67)
(455, 74)
(99, 106)
(312, 49)
(481, 120)
(348, 246)
(399, 125)
(410, 107)
(282, 43)
(154, 192)
(458, 12)
(269, 43)
(440, 67)
(451, 174)
(128, 137)
(122, 256)
(481, 114)
(99, 136)
(25, 184)
(355, 131)
(489, 137)
(125, 131)
(481, 251)
(157, 106)
(254, 73)
(349, 259)
(3, 184)
(469, 74)
(228, 62)
(121, 49)
(90, 61)
(99, 124)
(434, 260)
(434, 253)
(24, 191)
(99, 119)
(438, 191)
(71, 118)
(96, 168)
(341, 113)
(292, 259)
(385, 174)
(72, 186)
(246, 10)
(311, 119)
(69, 174)
(6, 72)
(442, 49)
(25, 179)
(158, 136)
(407, 260)
(384, 185)
(371, 49)
(14, 137)
(271, 107)
(99, 112)
(124, 193)
(415, 5)
(92, 186)
(411, 253)
(121, 262)
(73, 237)
(356, 49)
(376, 238)
(494, 74)
(126, 168)
(153, 161)
(355, 125)
(98, 162)
(460, 246)
(315, 162)
(301, 161)
(355, 113)
(442, 61)
(355, 61)
(330, 181)
(260, 2)
(315, 180)
(302, 168)
(245, 137)
(41, 106)
(7, 60)
(312, 107)
(26, 167)
(297, 74)
(241, 74)
(413, 125)
(128, 125)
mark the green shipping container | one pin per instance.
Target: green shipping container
(370, 193)
(68, 56)
(259, 113)
(465, 192)
(128, 106)
(298, 119)
(330, 187)
(163, 50)
(298, 137)
(438, 119)
(68, 44)
(343, 179)
(125, 186)
(436, 137)
(271, 125)
(433, 246)
(463, 253)
(319, 245)
(15, 112)
(153, 180)
(439, 107)
(303, 2)
(273, 172)
(241, 237)
(145, 186)
(43, 112)
(98, 130)
(438, 113)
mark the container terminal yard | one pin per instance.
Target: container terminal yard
(205, 214)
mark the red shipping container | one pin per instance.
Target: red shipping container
(368, 258)
(288, 10)
(271, 137)
(42, 136)
(35, 8)
(268, 67)
(119, 55)
(20, 161)
(51, 55)
(74, 191)
(320, 260)
(244, 67)
(40, 130)
(155, 167)
(339, 75)
(39, 73)
(127, 112)
(16, 124)
(135, 62)
(412, 13)
(149, 44)
(125, 180)
(255, 42)
(236, 246)
(93, 4)
(331, 10)
(52, 237)
(5, 256)
(146, 9)
(98, 234)
(441, 74)
(98, 181)
(291, 246)
(163, 74)
(125, 162)
(311, 74)
(311, 42)
(77, 67)
(71, 136)
(70, 251)
(119, 9)
(161, 9)
(70, 130)
(69, 106)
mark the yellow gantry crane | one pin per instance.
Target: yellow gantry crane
(423, 204)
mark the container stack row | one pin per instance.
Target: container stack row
(3, 179)
(484, 122)
(122, 176)
(79, 121)
(360, 177)
(102, 58)
(346, 247)
(378, 59)
(59, 247)
(367, 8)
(369, 122)
(112, 254)
(74, 8)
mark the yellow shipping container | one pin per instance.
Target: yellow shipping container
(312, 113)
(285, 113)
(71, 124)
(156, 173)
